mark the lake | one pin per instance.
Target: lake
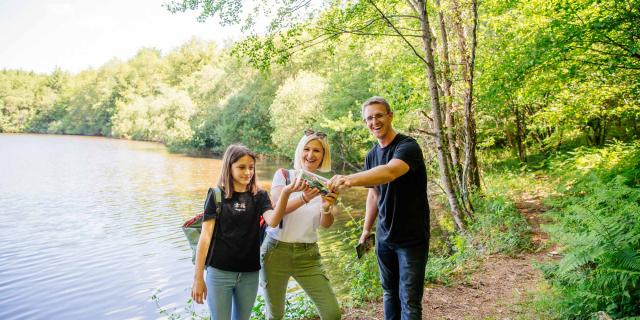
(90, 227)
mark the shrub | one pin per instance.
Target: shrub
(499, 227)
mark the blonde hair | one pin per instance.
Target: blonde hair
(231, 155)
(325, 164)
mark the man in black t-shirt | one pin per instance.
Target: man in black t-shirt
(396, 175)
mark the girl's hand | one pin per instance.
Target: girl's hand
(295, 186)
(199, 291)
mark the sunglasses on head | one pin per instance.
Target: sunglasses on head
(318, 134)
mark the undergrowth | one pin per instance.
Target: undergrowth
(597, 227)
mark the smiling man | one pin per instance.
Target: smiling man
(396, 175)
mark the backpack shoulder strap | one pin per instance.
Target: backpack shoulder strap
(287, 180)
(217, 197)
(285, 174)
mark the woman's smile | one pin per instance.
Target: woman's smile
(312, 155)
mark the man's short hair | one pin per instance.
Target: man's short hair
(376, 100)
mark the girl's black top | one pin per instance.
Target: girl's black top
(235, 246)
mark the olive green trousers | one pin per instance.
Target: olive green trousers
(282, 260)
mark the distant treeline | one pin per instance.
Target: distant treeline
(537, 87)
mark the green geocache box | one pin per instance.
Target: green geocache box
(313, 180)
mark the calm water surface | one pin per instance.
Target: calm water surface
(90, 227)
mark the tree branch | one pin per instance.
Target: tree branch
(413, 7)
(426, 115)
(619, 45)
(603, 64)
(295, 8)
(360, 33)
(611, 41)
(613, 54)
(372, 21)
(398, 32)
(427, 132)
(299, 47)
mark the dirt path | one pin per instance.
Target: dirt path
(494, 289)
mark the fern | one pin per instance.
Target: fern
(598, 227)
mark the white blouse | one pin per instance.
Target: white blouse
(300, 225)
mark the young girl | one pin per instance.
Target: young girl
(231, 282)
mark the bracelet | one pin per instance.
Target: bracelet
(327, 211)
(303, 199)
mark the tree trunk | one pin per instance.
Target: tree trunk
(473, 166)
(470, 172)
(520, 134)
(507, 133)
(599, 128)
(448, 108)
(436, 114)
(603, 131)
(560, 138)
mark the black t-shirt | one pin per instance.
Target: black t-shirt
(403, 208)
(236, 246)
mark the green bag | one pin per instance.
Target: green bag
(193, 227)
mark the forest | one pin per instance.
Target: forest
(507, 98)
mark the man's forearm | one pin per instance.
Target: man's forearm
(369, 219)
(372, 177)
(371, 211)
(379, 175)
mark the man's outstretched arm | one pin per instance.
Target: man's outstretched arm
(372, 177)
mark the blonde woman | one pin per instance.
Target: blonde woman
(290, 249)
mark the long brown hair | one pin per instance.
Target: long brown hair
(231, 155)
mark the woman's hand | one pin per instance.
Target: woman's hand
(199, 290)
(326, 216)
(310, 193)
(328, 200)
